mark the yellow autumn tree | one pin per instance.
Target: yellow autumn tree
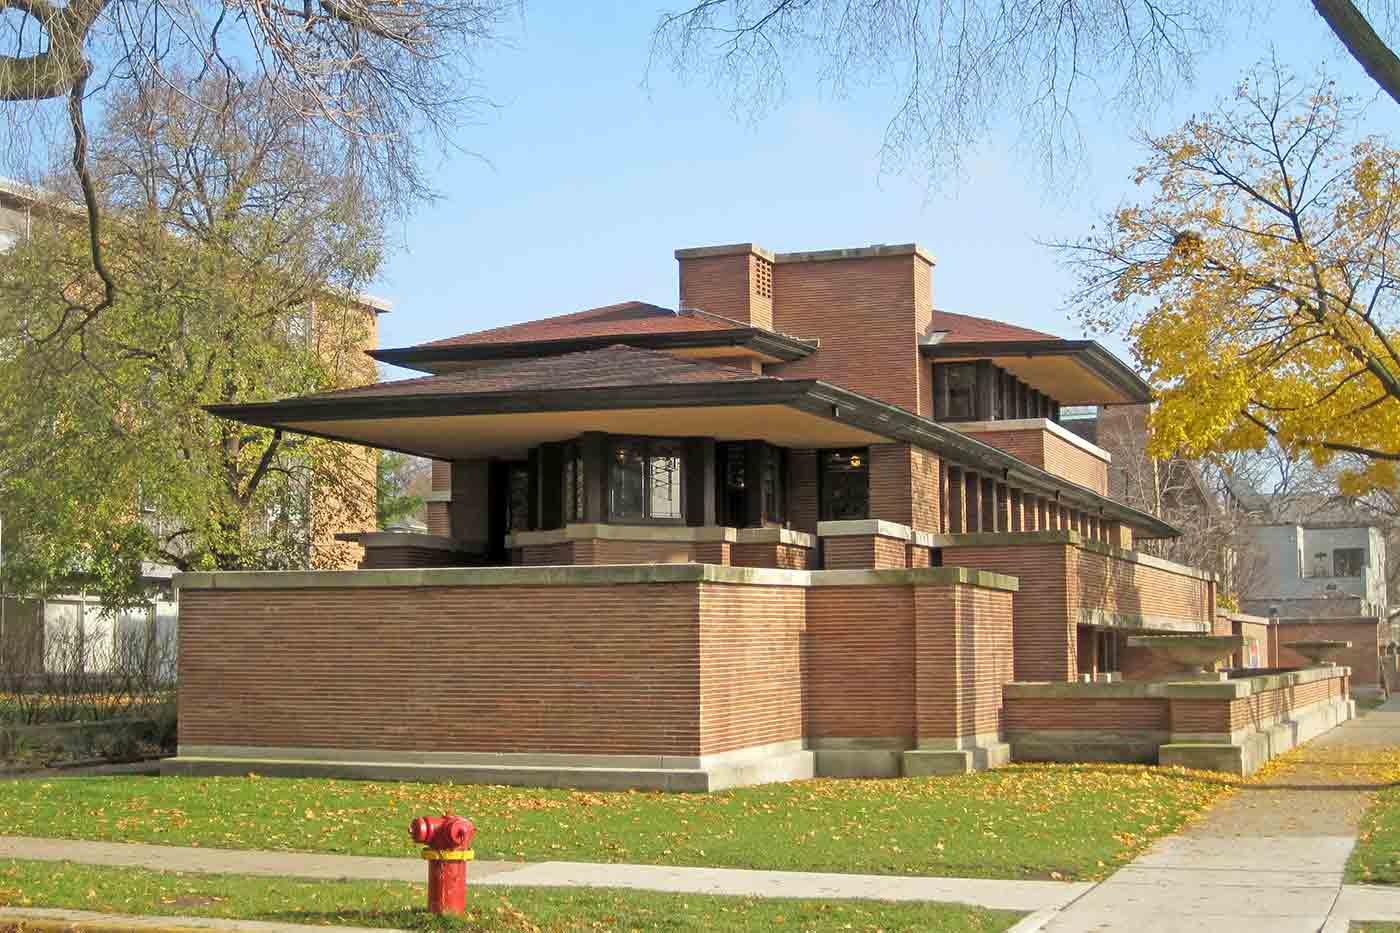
(1257, 280)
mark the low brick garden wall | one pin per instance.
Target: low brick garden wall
(673, 676)
(1230, 725)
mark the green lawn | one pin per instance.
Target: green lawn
(1365, 702)
(382, 904)
(1376, 858)
(1025, 821)
(1372, 927)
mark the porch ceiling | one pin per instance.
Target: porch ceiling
(1075, 372)
(465, 436)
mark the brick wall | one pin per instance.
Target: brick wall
(1058, 580)
(1126, 714)
(864, 552)
(1099, 581)
(637, 668)
(1045, 643)
(862, 310)
(1363, 657)
(408, 556)
(963, 642)
(730, 285)
(750, 665)
(255, 669)
(1052, 453)
(781, 556)
(1258, 710)
(861, 655)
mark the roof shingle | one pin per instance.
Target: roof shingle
(964, 328)
(611, 367)
(629, 317)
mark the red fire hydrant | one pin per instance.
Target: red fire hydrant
(447, 843)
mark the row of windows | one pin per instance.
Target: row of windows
(646, 481)
(981, 391)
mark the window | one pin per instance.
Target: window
(1348, 562)
(961, 382)
(573, 483)
(645, 480)
(774, 494)
(845, 488)
(518, 498)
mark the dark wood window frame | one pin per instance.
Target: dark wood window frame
(832, 478)
(651, 449)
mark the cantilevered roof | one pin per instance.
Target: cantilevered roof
(505, 408)
(633, 322)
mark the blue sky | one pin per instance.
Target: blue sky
(588, 181)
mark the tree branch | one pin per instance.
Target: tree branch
(1362, 42)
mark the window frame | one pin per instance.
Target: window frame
(674, 447)
(824, 483)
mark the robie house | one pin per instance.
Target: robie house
(806, 523)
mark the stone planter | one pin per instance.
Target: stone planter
(1320, 651)
(1195, 653)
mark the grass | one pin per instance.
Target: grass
(1062, 822)
(1372, 926)
(1376, 858)
(388, 904)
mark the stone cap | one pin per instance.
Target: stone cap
(1235, 689)
(678, 534)
(585, 575)
(729, 249)
(373, 539)
(878, 250)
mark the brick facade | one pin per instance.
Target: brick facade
(1366, 635)
(863, 310)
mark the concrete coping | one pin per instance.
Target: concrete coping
(864, 527)
(675, 534)
(728, 249)
(585, 575)
(875, 251)
(1071, 538)
(372, 539)
(1050, 427)
(1235, 689)
(775, 536)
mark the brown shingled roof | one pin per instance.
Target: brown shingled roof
(964, 328)
(611, 367)
(630, 317)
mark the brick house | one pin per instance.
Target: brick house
(805, 523)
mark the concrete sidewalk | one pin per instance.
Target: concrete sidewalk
(979, 892)
(1269, 858)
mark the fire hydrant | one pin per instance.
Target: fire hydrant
(446, 840)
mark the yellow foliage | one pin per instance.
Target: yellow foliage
(1254, 281)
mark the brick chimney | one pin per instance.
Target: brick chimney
(733, 281)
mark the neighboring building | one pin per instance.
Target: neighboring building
(803, 523)
(75, 620)
(1319, 569)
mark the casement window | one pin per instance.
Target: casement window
(646, 480)
(1348, 562)
(518, 497)
(774, 488)
(982, 391)
(573, 497)
(845, 485)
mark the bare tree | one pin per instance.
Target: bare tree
(368, 78)
(956, 68)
